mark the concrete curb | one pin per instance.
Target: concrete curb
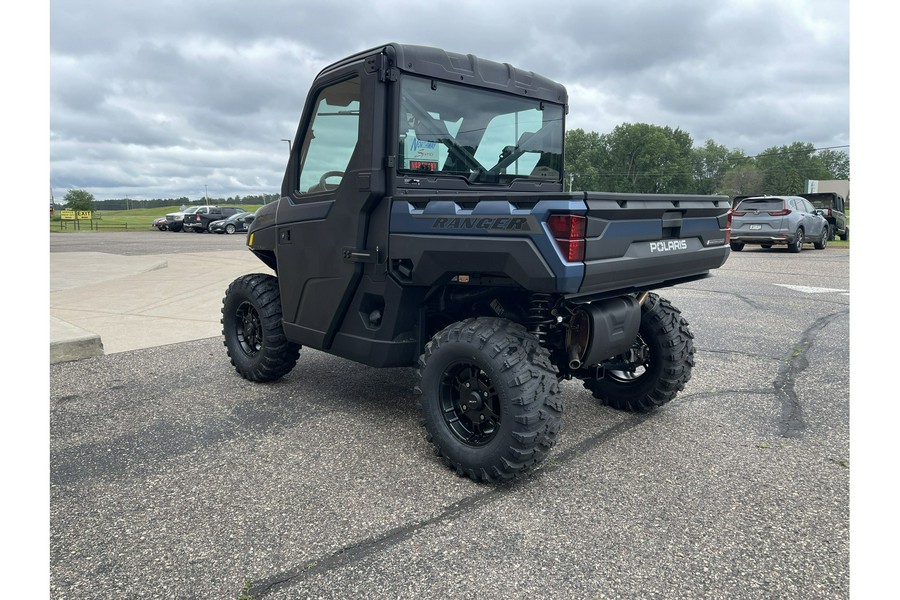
(72, 343)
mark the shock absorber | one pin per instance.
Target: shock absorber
(540, 317)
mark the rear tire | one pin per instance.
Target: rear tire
(797, 244)
(490, 398)
(737, 246)
(251, 325)
(664, 357)
(846, 236)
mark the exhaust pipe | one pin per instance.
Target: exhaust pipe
(575, 358)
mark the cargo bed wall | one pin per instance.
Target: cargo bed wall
(643, 241)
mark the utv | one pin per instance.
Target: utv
(423, 222)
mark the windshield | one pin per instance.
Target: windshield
(481, 135)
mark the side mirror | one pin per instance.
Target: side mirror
(249, 219)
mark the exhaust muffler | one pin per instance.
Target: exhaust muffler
(601, 330)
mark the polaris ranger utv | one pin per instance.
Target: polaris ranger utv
(423, 222)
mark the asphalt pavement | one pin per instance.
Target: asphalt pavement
(172, 477)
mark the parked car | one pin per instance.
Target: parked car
(160, 223)
(199, 220)
(770, 220)
(232, 224)
(832, 207)
(175, 220)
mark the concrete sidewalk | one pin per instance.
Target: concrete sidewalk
(106, 303)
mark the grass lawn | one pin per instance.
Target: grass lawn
(139, 219)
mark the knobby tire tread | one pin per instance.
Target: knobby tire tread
(528, 376)
(278, 355)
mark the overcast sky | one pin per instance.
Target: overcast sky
(171, 98)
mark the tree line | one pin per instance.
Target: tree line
(643, 158)
(633, 158)
(84, 200)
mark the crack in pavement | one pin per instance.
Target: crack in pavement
(792, 424)
(361, 550)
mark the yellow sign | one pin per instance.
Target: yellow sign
(67, 215)
(84, 215)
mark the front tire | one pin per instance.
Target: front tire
(490, 398)
(229, 229)
(251, 325)
(660, 362)
(823, 241)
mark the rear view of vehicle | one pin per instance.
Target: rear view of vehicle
(423, 223)
(777, 220)
(831, 206)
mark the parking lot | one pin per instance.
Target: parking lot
(172, 477)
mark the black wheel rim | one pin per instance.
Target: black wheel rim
(470, 404)
(248, 329)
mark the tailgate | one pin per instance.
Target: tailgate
(643, 241)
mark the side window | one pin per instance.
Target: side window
(331, 137)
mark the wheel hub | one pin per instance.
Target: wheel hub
(469, 404)
(248, 329)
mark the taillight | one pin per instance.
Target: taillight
(731, 213)
(568, 232)
(780, 213)
(735, 213)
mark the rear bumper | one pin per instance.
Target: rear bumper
(784, 238)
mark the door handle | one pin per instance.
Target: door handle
(361, 256)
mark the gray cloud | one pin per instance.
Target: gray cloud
(162, 99)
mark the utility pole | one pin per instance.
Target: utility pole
(206, 191)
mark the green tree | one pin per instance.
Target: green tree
(79, 200)
(711, 162)
(836, 162)
(582, 159)
(743, 180)
(786, 169)
(643, 158)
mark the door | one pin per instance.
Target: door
(333, 183)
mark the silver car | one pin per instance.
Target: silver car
(770, 220)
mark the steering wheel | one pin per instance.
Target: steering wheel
(327, 175)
